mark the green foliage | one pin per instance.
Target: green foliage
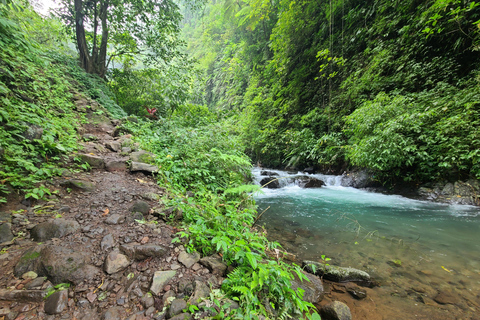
(203, 156)
(291, 75)
(164, 88)
(37, 116)
(432, 134)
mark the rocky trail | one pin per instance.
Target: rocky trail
(102, 233)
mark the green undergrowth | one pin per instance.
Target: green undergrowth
(38, 121)
(203, 157)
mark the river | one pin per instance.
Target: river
(421, 253)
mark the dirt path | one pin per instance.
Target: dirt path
(98, 242)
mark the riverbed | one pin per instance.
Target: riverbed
(425, 256)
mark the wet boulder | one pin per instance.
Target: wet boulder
(270, 182)
(336, 274)
(309, 182)
(268, 173)
(336, 310)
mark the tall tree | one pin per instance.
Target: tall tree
(111, 29)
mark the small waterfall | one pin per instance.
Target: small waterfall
(288, 178)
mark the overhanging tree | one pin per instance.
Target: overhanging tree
(105, 30)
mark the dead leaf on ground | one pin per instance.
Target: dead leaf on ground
(105, 212)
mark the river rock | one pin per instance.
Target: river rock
(115, 262)
(313, 289)
(27, 296)
(79, 184)
(446, 297)
(309, 182)
(142, 252)
(176, 307)
(113, 145)
(160, 279)
(336, 310)
(5, 232)
(61, 264)
(140, 206)
(30, 261)
(115, 219)
(116, 165)
(56, 302)
(358, 179)
(142, 156)
(147, 301)
(188, 259)
(336, 274)
(270, 182)
(182, 316)
(115, 313)
(139, 166)
(55, 228)
(107, 242)
(268, 173)
(201, 291)
(215, 264)
(93, 161)
(356, 291)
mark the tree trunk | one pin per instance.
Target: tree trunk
(85, 59)
(102, 55)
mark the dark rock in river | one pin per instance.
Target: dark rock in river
(336, 274)
(358, 179)
(309, 182)
(336, 310)
(270, 182)
(268, 173)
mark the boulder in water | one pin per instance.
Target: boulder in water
(268, 173)
(309, 182)
(270, 182)
(336, 274)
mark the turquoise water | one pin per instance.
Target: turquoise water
(434, 244)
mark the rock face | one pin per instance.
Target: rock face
(313, 290)
(336, 310)
(336, 274)
(459, 192)
(55, 228)
(270, 182)
(358, 179)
